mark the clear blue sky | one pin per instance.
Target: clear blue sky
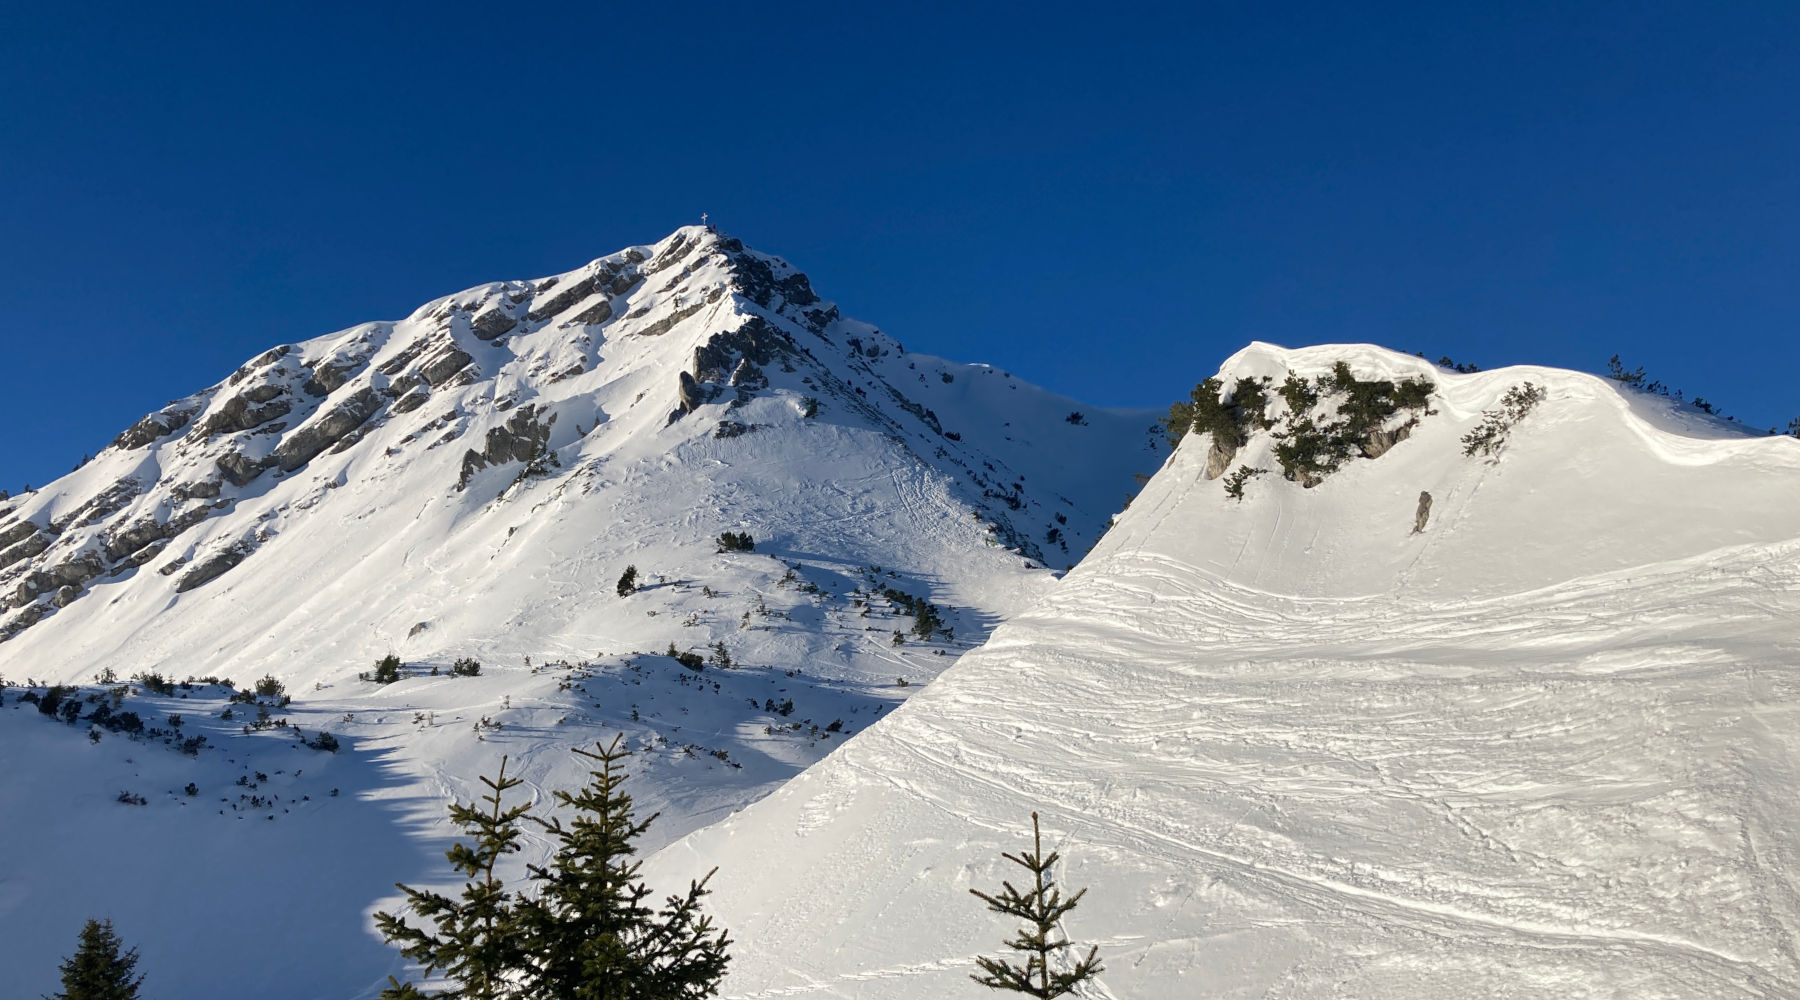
(1106, 199)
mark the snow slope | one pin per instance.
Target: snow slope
(472, 481)
(1544, 748)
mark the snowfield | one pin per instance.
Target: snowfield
(1544, 748)
(519, 445)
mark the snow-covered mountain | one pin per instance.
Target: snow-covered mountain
(1535, 734)
(470, 483)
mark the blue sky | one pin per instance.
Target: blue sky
(1105, 199)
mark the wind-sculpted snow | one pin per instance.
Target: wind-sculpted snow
(1544, 748)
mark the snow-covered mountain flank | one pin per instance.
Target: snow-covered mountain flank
(819, 521)
(1485, 687)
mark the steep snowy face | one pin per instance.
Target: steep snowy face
(1535, 735)
(656, 380)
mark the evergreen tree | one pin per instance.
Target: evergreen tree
(586, 934)
(478, 940)
(99, 970)
(1042, 907)
(592, 935)
(628, 582)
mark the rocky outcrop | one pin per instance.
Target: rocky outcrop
(607, 278)
(757, 279)
(493, 323)
(411, 401)
(14, 534)
(74, 572)
(595, 314)
(690, 395)
(523, 438)
(240, 414)
(1423, 514)
(212, 567)
(1218, 459)
(331, 376)
(305, 444)
(239, 469)
(747, 375)
(31, 615)
(668, 322)
(109, 501)
(151, 428)
(34, 543)
(140, 534)
(1380, 441)
(448, 362)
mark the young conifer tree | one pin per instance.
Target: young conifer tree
(593, 936)
(478, 942)
(1041, 907)
(99, 970)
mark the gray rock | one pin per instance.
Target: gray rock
(138, 558)
(438, 370)
(1379, 442)
(493, 322)
(1424, 512)
(412, 401)
(26, 618)
(152, 427)
(139, 534)
(595, 314)
(212, 567)
(32, 545)
(748, 376)
(305, 444)
(14, 534)
(66, 596)
(330, 377)
(239, 415)
(668, 322)
(1218, 459)
(240, 470)
(523, 438)
(263, 393)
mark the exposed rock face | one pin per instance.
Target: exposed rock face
(155, 426)
(1424, 512)
(138, 535)
(608, 279)
(492, 323)
(33, 544)
(212, 567)
(691, 395)
(65, 596)
(438, 370)
(240, 470)
(75, 573)
(595, 314)
(14, 534)
(1379, 442)
(1218, 459)
(305, 444)
(668, 322)
(412, 401)
(239, 415)
(521, 439)
(760, 283)
(330, 377)
(109, 501)
(748, 376)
